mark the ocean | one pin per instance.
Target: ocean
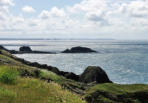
(124, 61)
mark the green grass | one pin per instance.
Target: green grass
(7, 60)
(29, 90)
(118, 88)
(7, 95)
(110, 92)
(47, 74)
(65, 83)
(8, 75)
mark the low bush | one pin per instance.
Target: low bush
(8, 75)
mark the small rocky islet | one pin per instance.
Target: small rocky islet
(27, 49)
(79, 49)
(93, 85)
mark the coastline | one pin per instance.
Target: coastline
(92, 92)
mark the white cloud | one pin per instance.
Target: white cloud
(53, 13)
(6, 2)
(89, 18)
(92, 10)
(136, 8)
(4, 9)
(4, 5)
(28, 9)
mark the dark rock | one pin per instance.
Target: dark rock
(94, 74)
(72, 76)
(69, 75)
(25, 48)
(79, 50)
(54, 69)
(37, 72)
(66, 51)
(44, 66)
(13, 51)
(25, 73)
(46, 79)
(3, 48)
(142, 96)
(35, 64)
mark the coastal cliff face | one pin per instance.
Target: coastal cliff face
(24, 82)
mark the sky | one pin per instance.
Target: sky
(115, 19)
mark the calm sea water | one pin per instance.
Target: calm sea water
(124, 61)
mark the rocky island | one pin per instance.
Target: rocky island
(27, 49)
(22, 81)
(79, 49)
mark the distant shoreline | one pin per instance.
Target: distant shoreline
(56, 39)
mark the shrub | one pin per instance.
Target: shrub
(8, 75)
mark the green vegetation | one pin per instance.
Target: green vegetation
(118, 88)
(6, 95)
(47, 74)
(117, 93)
(20, 84)
(8, 75)
(29, 90)
(65, 83)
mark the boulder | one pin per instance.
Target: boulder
(79, 50)
(25, 48)
(94, 74)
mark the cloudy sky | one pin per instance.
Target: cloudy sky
(118, 19)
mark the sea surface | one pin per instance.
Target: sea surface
(125, 61)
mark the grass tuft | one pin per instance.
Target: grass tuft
(7, 95)
(8, 75)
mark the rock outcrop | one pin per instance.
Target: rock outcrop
(69, 75)
(3, 48)
(94, 74)
(79, 49)
(25, 48)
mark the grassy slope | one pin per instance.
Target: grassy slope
(31, 89)
(6, 59)
(116, 93)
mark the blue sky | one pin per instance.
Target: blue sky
(40, 5)
(119, 19)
